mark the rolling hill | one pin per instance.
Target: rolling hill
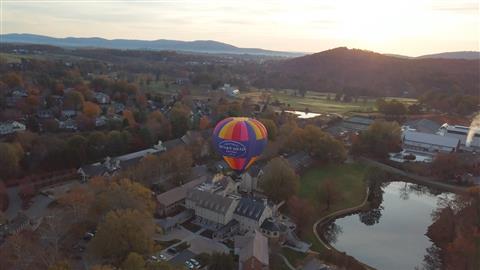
(204, 46)
(369, 73)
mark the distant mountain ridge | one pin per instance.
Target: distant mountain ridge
(204, 46)
(470, 55)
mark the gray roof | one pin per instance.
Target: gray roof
(359, 120)
(299, 159)
(250, 208)
(432, 139)
(96, 169)
(170, 144)
(424, 125)
(269, 225)
(210, 201)
(253, 246)
(179, 193)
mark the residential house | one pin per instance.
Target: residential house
(69, 113)
(68, 125)
(11, 127)
(111, 165)
(44, 114)
(252, 251)
(102, 98)
(426, 143)
(230, 91)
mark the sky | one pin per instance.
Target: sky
(407, 27)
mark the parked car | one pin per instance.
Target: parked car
(195, 262)
(189, 265)
(88, 236)
(162, 257)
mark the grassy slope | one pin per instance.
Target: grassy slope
(349, 182)
(318, 102)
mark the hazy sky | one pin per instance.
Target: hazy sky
(410, 27)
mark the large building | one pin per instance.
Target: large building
(211, 207)
(461, 133)
(252, 251)
(426, 143)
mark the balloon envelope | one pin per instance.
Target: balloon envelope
(240, 140)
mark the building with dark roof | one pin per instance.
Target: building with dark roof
(299, 160)
(210, 206)
(170, 200)
(251, 212)
(423, 125)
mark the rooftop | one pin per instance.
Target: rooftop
(210, 201)
(433, 139)
(250, 208)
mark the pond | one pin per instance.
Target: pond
(391, 236)
(304, 115)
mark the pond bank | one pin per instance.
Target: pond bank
(413, 178)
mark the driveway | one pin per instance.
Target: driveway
(38, 207)
(201, 244)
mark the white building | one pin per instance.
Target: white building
(230, 91)
(11, 127)
(461, 133)
(211, 207)
(426, 143)
(251, 212)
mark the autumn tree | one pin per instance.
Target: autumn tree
(146, 171)
(381, 138)
(10, 157)
(204, 123)
(134, 261)
(74, 100)
(96, 145)
(77, 150)
(128, 115)
(120, 194)
(301, 212)
(271, 128)
(327, 193)
(447, 166)
(178, 163)
(12, 80)
(61, 265)
(279, 180)
(318, 143)
(77, 202)
(91, 110)
(159, 126)
(180, 119)
(122, 232)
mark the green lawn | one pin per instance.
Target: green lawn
(294, 257)
(318, 102)
(348, 179)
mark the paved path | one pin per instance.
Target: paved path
(336, 214)
(417, 179)
(285, 260)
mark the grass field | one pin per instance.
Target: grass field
(348, 179)
(318, 102)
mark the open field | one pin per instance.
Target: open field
(320, 103)
(348, 179)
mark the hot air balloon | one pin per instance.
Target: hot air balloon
(240, 140)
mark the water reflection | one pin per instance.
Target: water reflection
(391, 235)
